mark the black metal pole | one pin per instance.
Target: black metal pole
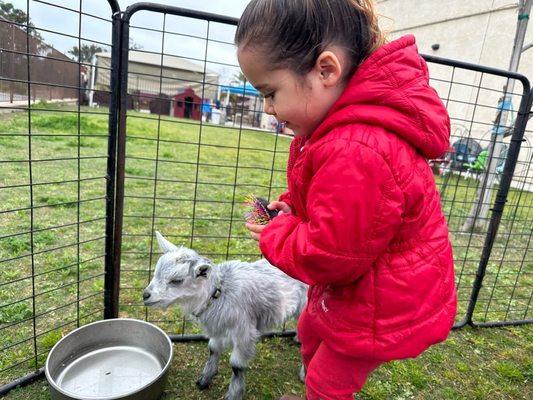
(183, 12)
(502, 323)
(111, 272)
(25, 380)
(122, 93)
(176, 338)
(115, 7)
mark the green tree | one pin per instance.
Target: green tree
(135, 46)
(87, 52)
(9, 12)
(239, 79)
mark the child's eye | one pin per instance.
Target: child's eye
(176, 281)
(270, 95)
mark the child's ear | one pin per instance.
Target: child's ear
(329, 68)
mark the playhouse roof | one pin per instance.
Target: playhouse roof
(186, 91)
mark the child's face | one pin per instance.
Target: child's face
(300, 102)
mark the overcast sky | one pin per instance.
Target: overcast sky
(65, 22)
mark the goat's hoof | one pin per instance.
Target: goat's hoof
(234, 395)
(203, 383)
(228, 397)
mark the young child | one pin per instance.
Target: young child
(361, 222)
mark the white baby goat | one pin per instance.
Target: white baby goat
(234, 302)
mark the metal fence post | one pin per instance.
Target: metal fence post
(111, 285)
(120, 56)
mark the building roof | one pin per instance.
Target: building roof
(169, 61)
(243, 90)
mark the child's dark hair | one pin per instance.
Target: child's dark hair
(293, 33)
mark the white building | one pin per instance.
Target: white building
(476, 31)
(150, 74)
(479, 32)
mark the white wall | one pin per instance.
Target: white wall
(478, 32)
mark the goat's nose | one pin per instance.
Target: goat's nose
(146, 295)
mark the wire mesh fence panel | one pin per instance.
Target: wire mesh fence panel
(188, 168)
(53, 158)
(192, 143)
(197, 142)
(505, 296)
(470, 173)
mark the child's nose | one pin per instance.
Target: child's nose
(268, 107)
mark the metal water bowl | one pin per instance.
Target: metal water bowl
(112, 359)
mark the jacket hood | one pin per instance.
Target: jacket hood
(390, 89)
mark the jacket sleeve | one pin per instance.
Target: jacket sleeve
(354, 209)
(286, 197)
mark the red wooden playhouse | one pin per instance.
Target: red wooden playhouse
(187, 105)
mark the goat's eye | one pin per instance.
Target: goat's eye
(176, 281)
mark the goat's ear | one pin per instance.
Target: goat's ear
(201, 270)
(164, 244)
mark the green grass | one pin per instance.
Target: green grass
(484, 364)
(189, 184)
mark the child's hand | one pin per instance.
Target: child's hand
(255, 230)
(281, 206)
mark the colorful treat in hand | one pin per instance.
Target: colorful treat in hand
(258, 213)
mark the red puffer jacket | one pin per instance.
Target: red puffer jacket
(366, 230)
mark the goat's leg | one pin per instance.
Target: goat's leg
(211, 366)
(302, 373)
(243, 352)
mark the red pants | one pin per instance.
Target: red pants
(330, 375)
